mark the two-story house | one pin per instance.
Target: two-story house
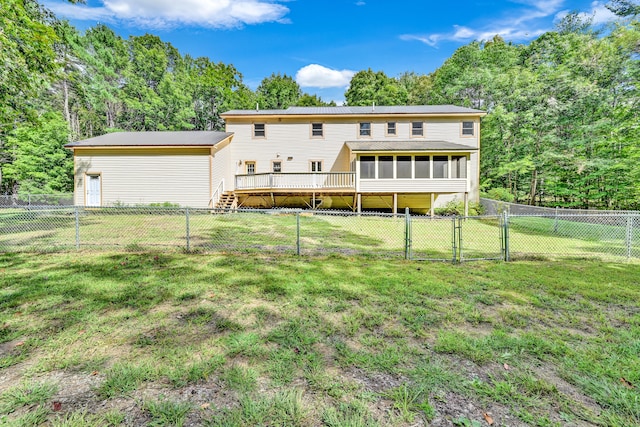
(381, 158)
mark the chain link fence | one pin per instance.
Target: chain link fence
(13, 200)
(454, 239)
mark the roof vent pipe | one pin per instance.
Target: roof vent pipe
(257, 106)
(373, 107)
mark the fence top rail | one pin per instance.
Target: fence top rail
(541, 210)
(623, 214)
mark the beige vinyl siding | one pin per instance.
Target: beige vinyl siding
(291, 139)
(144, 176)
(474, 174)
(221, 167)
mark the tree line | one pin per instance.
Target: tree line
(562, 125)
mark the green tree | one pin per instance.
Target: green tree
(624, 7)
(27, 64)
(107, 59)
(278, 92)
(417, 86)
(216, 87)
(307, 100)
(368, 87)
(40, 163)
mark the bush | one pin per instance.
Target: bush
(501, 194)
(456, 207)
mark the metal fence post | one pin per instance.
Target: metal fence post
(629, 236)
(555, 223)
(407, 234)
(460, 254)
(77, 216)
(507, 255)
(454, 243)
(188, 231)
(298, 233)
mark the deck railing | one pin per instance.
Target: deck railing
(320, 180)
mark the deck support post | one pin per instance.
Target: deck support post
(466, 203)
(395, 203)
(432, 211)
(359, 203)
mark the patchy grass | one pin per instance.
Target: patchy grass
(128, 338)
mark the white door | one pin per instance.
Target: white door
(93, 190)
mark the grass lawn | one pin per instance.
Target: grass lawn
(236, 340)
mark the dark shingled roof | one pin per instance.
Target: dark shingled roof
(407, 146)
(359, 111)
(154, 139)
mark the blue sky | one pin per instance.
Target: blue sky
(323, 42)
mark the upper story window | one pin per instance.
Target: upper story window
(365, 129)
(276, 166)
(468, 128)
(391, 128)
(317, 130)
(259, 130)
(417, 129)
(315, 165)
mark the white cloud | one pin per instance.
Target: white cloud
(168, 13)
(360, 3)
(598, 14)
(517, 27)
(512, 28)
(314, 75)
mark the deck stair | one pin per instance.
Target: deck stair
(228, 200)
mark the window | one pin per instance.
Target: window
(367, 167)
(276, 166)
(365, 129)
(440, 166)
(316, 165)
(423, 167)
(467, 129)
(259, 130)
(250, 167)
(317, 130)
(417, 129)
(458, 167)
(403, 166)
(385, 167)
(391, 128)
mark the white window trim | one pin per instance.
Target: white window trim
(462, 135)
(311, 161)
(253, 130)
(370, 130)
(311, 135)
(411, 135)
(392, 135)
(246, 167)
